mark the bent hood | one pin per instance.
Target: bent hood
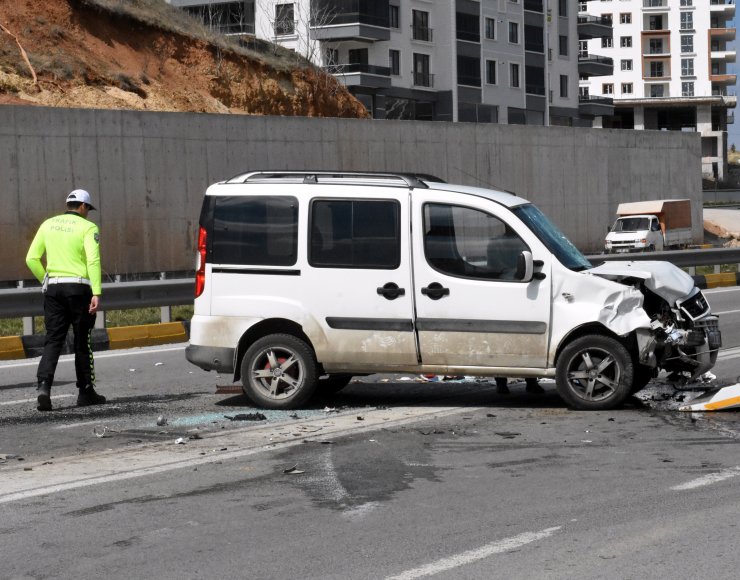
(666, 280)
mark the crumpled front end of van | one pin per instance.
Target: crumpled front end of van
(682, 336)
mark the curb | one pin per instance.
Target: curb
(717, 280)
(30, 346)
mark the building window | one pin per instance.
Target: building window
(468, 71)
(607, 89)
(358, 56)
(626, 64)
(625, 18)
(514, 32)
(284, 19)
(394, 62)
(625, 41)
(491, 28)
(467, 27)
(582, 48)
(607, 42)
(656, 69)
(332, 56)
(563, 8)
(420, 26)
(687, 89)
(655, 23)
(563, 45)
(514, 75)
(491, 72)
(626, 88)
(657, 91)
(656, 46)
(687, 21)
(422, 70)
(687, 43)
(394, 16)
(582, 5)
(687, 67)
(687, 2)
(564, 86)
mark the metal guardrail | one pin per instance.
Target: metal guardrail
(20, 302)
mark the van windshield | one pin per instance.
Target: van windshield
(631, 224)
(555, 241)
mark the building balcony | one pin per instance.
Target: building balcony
(723, 55)
(654, 5)
(723, 79)
(657, 32)
(595, 66)
(535, 89)
(594, 27)
(361, 75)
(422, 79)
(423, 33)
(726, 33)
(533, 5)
(726, 7)
(589, 106)
(363, 20)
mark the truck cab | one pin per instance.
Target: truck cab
(635, 233)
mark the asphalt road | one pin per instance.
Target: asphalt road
(389, 479)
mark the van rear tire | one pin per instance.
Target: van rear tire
(594, 372)
(279, 371)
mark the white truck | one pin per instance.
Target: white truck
(649, 226)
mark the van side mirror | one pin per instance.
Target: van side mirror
(524, 266)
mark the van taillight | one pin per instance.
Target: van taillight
(200, 274)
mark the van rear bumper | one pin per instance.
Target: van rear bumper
(210, 358)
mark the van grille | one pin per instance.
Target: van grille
(696, 306)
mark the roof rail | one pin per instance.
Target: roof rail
(406, 179)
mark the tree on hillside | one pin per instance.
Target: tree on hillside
(732, 148)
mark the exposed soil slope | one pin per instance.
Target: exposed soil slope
(104, 54)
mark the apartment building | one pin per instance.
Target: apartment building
(497, 61)
(671, 68)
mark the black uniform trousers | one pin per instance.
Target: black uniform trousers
(65, 305)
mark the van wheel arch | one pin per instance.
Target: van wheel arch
(261, 329)
(593, 328)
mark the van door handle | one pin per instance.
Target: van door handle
(435, 291)
(391, 291)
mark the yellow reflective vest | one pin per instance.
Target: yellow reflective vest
(72, 246)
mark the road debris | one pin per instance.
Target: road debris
(247, 417)
(180, 441)
(158, 364)
(293, 470)
(360, 418)
(331, 410)
(717, 399)
(102, 431)
(161, 421)
(507, 434)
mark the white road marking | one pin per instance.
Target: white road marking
(728, 353)
(726, 312)
(73, 425)
(708, 479)
(473, 555)
(721, 290)
(96, 356)
(19, 401)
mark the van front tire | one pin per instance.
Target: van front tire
(279, 371)
(594, 372)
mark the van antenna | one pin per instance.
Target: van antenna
(484, 182)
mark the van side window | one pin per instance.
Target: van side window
(255, 230)
(355, 234)
(469, 243)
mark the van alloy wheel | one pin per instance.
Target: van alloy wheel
(279, 372)
(594, 372)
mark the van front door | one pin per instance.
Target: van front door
(471, 308)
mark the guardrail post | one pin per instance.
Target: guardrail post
(28, 321)
(165, 312)
(717, 268)
(100, 320)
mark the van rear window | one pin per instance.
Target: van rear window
(255, 231)
(355, 234)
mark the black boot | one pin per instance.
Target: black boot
(88, 397)
(43, 391)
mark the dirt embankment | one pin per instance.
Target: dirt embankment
(103, 54)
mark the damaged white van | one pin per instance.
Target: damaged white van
(305, 279)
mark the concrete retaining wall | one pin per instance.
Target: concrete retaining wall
(147, 171)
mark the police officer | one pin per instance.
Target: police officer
(71, 283)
